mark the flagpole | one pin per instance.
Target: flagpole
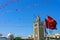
(49, 32)
(45, 33)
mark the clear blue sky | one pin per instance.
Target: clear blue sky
(21, 22)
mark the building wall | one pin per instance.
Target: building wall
(53, 38)
(27, 39)
(41, 34)
(4, 38)
(38, 30)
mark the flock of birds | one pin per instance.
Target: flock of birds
(11, 2)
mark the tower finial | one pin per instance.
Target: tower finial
(38, 18)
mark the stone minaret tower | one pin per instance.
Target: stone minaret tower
(38, 29)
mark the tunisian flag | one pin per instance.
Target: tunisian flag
(50, 23)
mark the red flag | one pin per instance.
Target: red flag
(50, 23)
(49, 18)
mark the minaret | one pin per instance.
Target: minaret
(38, 29)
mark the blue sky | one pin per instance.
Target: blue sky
(20, 22)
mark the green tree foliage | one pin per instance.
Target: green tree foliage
(17, 38)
